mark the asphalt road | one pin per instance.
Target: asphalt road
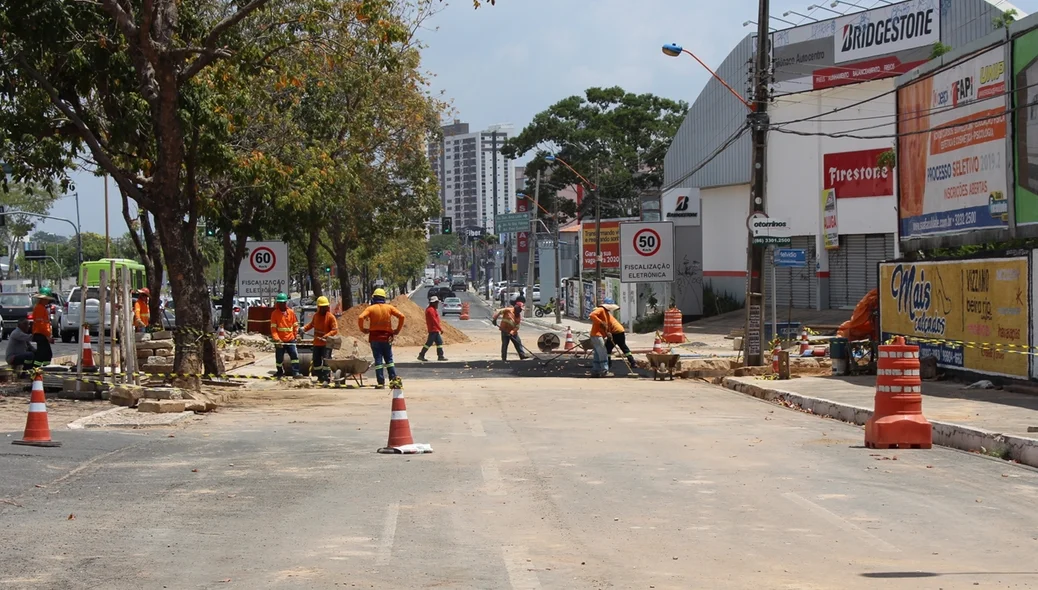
(546, 483)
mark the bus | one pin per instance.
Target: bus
(93, 268)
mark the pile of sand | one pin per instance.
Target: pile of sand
(414, 333)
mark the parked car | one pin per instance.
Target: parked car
(70, 319)
(57, 310)
(14, 307)
(452, 305)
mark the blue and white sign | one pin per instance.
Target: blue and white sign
(790, 258)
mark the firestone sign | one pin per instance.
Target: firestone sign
(856, 174)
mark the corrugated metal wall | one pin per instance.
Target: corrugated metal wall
(716, 114)
(712, 119)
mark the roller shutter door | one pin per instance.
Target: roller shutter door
(802, 283)
(853, 267)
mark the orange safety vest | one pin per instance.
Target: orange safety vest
(603, 323)
(41, 319)
(508, 322)
(324, 325)
(283, 325)
(380, 317)
(141, 314)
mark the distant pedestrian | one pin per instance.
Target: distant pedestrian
(380, 333)
(432, 324)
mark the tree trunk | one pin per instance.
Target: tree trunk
(344, 285)
(188, 283)
(233, 254)
(153, 268)
(311, 263)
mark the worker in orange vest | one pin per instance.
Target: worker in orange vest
(41, 328)
(324, 325)
(142, 310)
(283, 328)
(510, 318)
(380, 331)
(607, 333)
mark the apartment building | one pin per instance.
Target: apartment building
(476, 181)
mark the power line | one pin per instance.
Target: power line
(731, 139)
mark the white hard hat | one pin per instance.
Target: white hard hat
(434, 299)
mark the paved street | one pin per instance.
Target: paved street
(534, 483)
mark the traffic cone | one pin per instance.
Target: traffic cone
(569, 339)
(657, 346)
(804, 344)
(37, 428)
(222, 334)
(400, 439)
(88, 353)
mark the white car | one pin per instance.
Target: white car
(452, 305)
(70, 319)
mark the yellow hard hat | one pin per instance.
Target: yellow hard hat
(379, 293)
(322, 301)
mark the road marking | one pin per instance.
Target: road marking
(492, 476)
(840, 521)
(477, 428)
(385, 546)
(518, 567)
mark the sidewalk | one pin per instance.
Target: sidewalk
(965, 419)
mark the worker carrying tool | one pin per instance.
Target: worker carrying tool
(41, 328)
(432, 324)
(510, 318)
(142, 310)
(607, 333)
(283, 328)
(324, 326)
(380, 331)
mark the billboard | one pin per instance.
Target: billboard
(1025, 101)
(856, 174)
(880, 43)
(952, 130)
(610, 245)
(983, 304)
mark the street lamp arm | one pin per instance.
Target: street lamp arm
(587, 182)
(719, 79)
(79, 236)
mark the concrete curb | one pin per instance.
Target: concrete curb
(946, 434)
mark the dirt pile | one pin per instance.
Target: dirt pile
(414, 333)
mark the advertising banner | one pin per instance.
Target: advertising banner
(522, 238)
(952, 128)
(589, 300)
(981, 302)
(681, 206)
(830, 220)
(880, 43)
(856, 174)
(1025, 100)
(610, 245)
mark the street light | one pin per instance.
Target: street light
(789, 12)
(754, 23)
(675, 50)
(817, 6)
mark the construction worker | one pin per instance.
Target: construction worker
(610, 334)
(380, 331)
(283, 328)
(324, 325)
(432, 324)
(142, 310)
(509, 325)
(20, 354)
(41, 328)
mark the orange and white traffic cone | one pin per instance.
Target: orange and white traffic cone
(804, 344)
(657, 346)
(570, 345)
(400, 440)
(88, 353)
(222, 334)
(37, 428)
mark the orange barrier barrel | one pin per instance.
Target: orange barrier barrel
(897, 421)
(464, 312)
(259, 320)
(672, 331)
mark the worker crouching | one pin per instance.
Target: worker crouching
(607, 333)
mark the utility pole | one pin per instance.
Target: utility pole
(598, 242)
(758, 120)
(559, 295)
(531, 245)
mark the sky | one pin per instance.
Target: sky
(506, 63)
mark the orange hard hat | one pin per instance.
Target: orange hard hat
(145, 291)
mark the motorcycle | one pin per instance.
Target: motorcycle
(543, 310)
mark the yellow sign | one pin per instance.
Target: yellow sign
(970, 314)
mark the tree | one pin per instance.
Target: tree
(616, 139)
(1002, 21)
(443, 242)
(22, 197)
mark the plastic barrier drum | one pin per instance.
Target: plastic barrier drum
(672, 332)
(464, 312)
(897, 421)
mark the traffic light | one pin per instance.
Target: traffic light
(328, 269)
(447, 225)
(210, 230)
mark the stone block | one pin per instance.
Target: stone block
(161, 406)
(158, 369)
(242, 354)
(145, 353)
(199, 405)
(141, 336)
(163, 351)
(170, 393)
(124, 395)
(158, 360)
(163, 335)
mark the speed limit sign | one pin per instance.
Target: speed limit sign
(263, 259)
(264, 270)
(646, 252)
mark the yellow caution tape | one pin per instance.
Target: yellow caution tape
(997, 347)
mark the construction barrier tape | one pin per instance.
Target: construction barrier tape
(999, 347)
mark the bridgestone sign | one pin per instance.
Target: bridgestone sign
(886, 30)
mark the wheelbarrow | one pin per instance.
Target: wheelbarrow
(353, 368)
(662, 365)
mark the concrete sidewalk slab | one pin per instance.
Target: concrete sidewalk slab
(991, 421)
